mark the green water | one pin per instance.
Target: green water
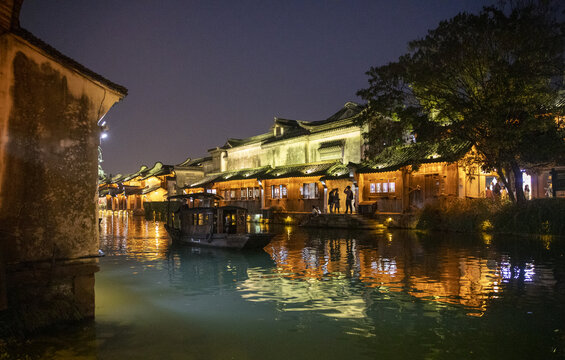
(320, 294)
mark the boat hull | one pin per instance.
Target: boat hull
(226, 241)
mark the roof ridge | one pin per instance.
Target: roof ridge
(35, 41)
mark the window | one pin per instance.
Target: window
(256, 193)
(250, 193)
(310, 191)
(277, 191)
(243, 192)
(226, 194)
(232, 194)
(198, 219)
(386, 186)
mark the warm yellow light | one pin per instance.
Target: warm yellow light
(288, 220)
(486, 225)
(487, 238)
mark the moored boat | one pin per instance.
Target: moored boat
(199, 221)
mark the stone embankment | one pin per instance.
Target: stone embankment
(340, 221)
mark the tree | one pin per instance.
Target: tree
(493, 79)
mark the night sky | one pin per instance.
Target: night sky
(199, 72)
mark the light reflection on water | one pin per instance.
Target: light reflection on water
(331, 294)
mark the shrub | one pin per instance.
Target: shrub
(461, 215)
(538, 216)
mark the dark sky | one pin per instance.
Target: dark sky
(199, 72)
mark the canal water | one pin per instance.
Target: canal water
(320, 294)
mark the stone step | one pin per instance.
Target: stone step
(345, 221)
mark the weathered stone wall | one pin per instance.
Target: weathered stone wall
(48, 152)
(49, 109)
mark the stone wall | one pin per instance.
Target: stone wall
(49, 110)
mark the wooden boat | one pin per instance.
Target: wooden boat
(199, 221)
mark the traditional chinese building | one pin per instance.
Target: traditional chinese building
(131, 192)
(289, 168)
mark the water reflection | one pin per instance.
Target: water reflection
(123, 234)
(320, 294)
(331, 271)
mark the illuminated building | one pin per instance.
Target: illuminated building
(291, 168)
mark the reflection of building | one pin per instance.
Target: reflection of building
(397, 264)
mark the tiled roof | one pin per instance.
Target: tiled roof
(204, 181)
(346, 116)
(243, 174)
(143, 173)
(327, 170)
(65, 60)
(338, 171)
(148, 189)
(141, 170)
(157, 170)
(194, 162)
(302, 170)
(396, 157)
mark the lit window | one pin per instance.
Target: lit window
(372, 188)
(385, 187)
(275, 191)
(232, 194)
(243, 193)
(310, 191)
(379, 188)
(391, 187)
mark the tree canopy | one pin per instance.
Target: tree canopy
(493, 79)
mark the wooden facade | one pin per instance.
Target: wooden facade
(405, 190)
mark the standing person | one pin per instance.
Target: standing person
(336, 200)
(331, 201)
(488, 193)
(527, 191)
(348, 199)
(497, 190)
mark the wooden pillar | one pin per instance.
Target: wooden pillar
(405, 176)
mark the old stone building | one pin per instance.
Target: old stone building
(50, 108)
